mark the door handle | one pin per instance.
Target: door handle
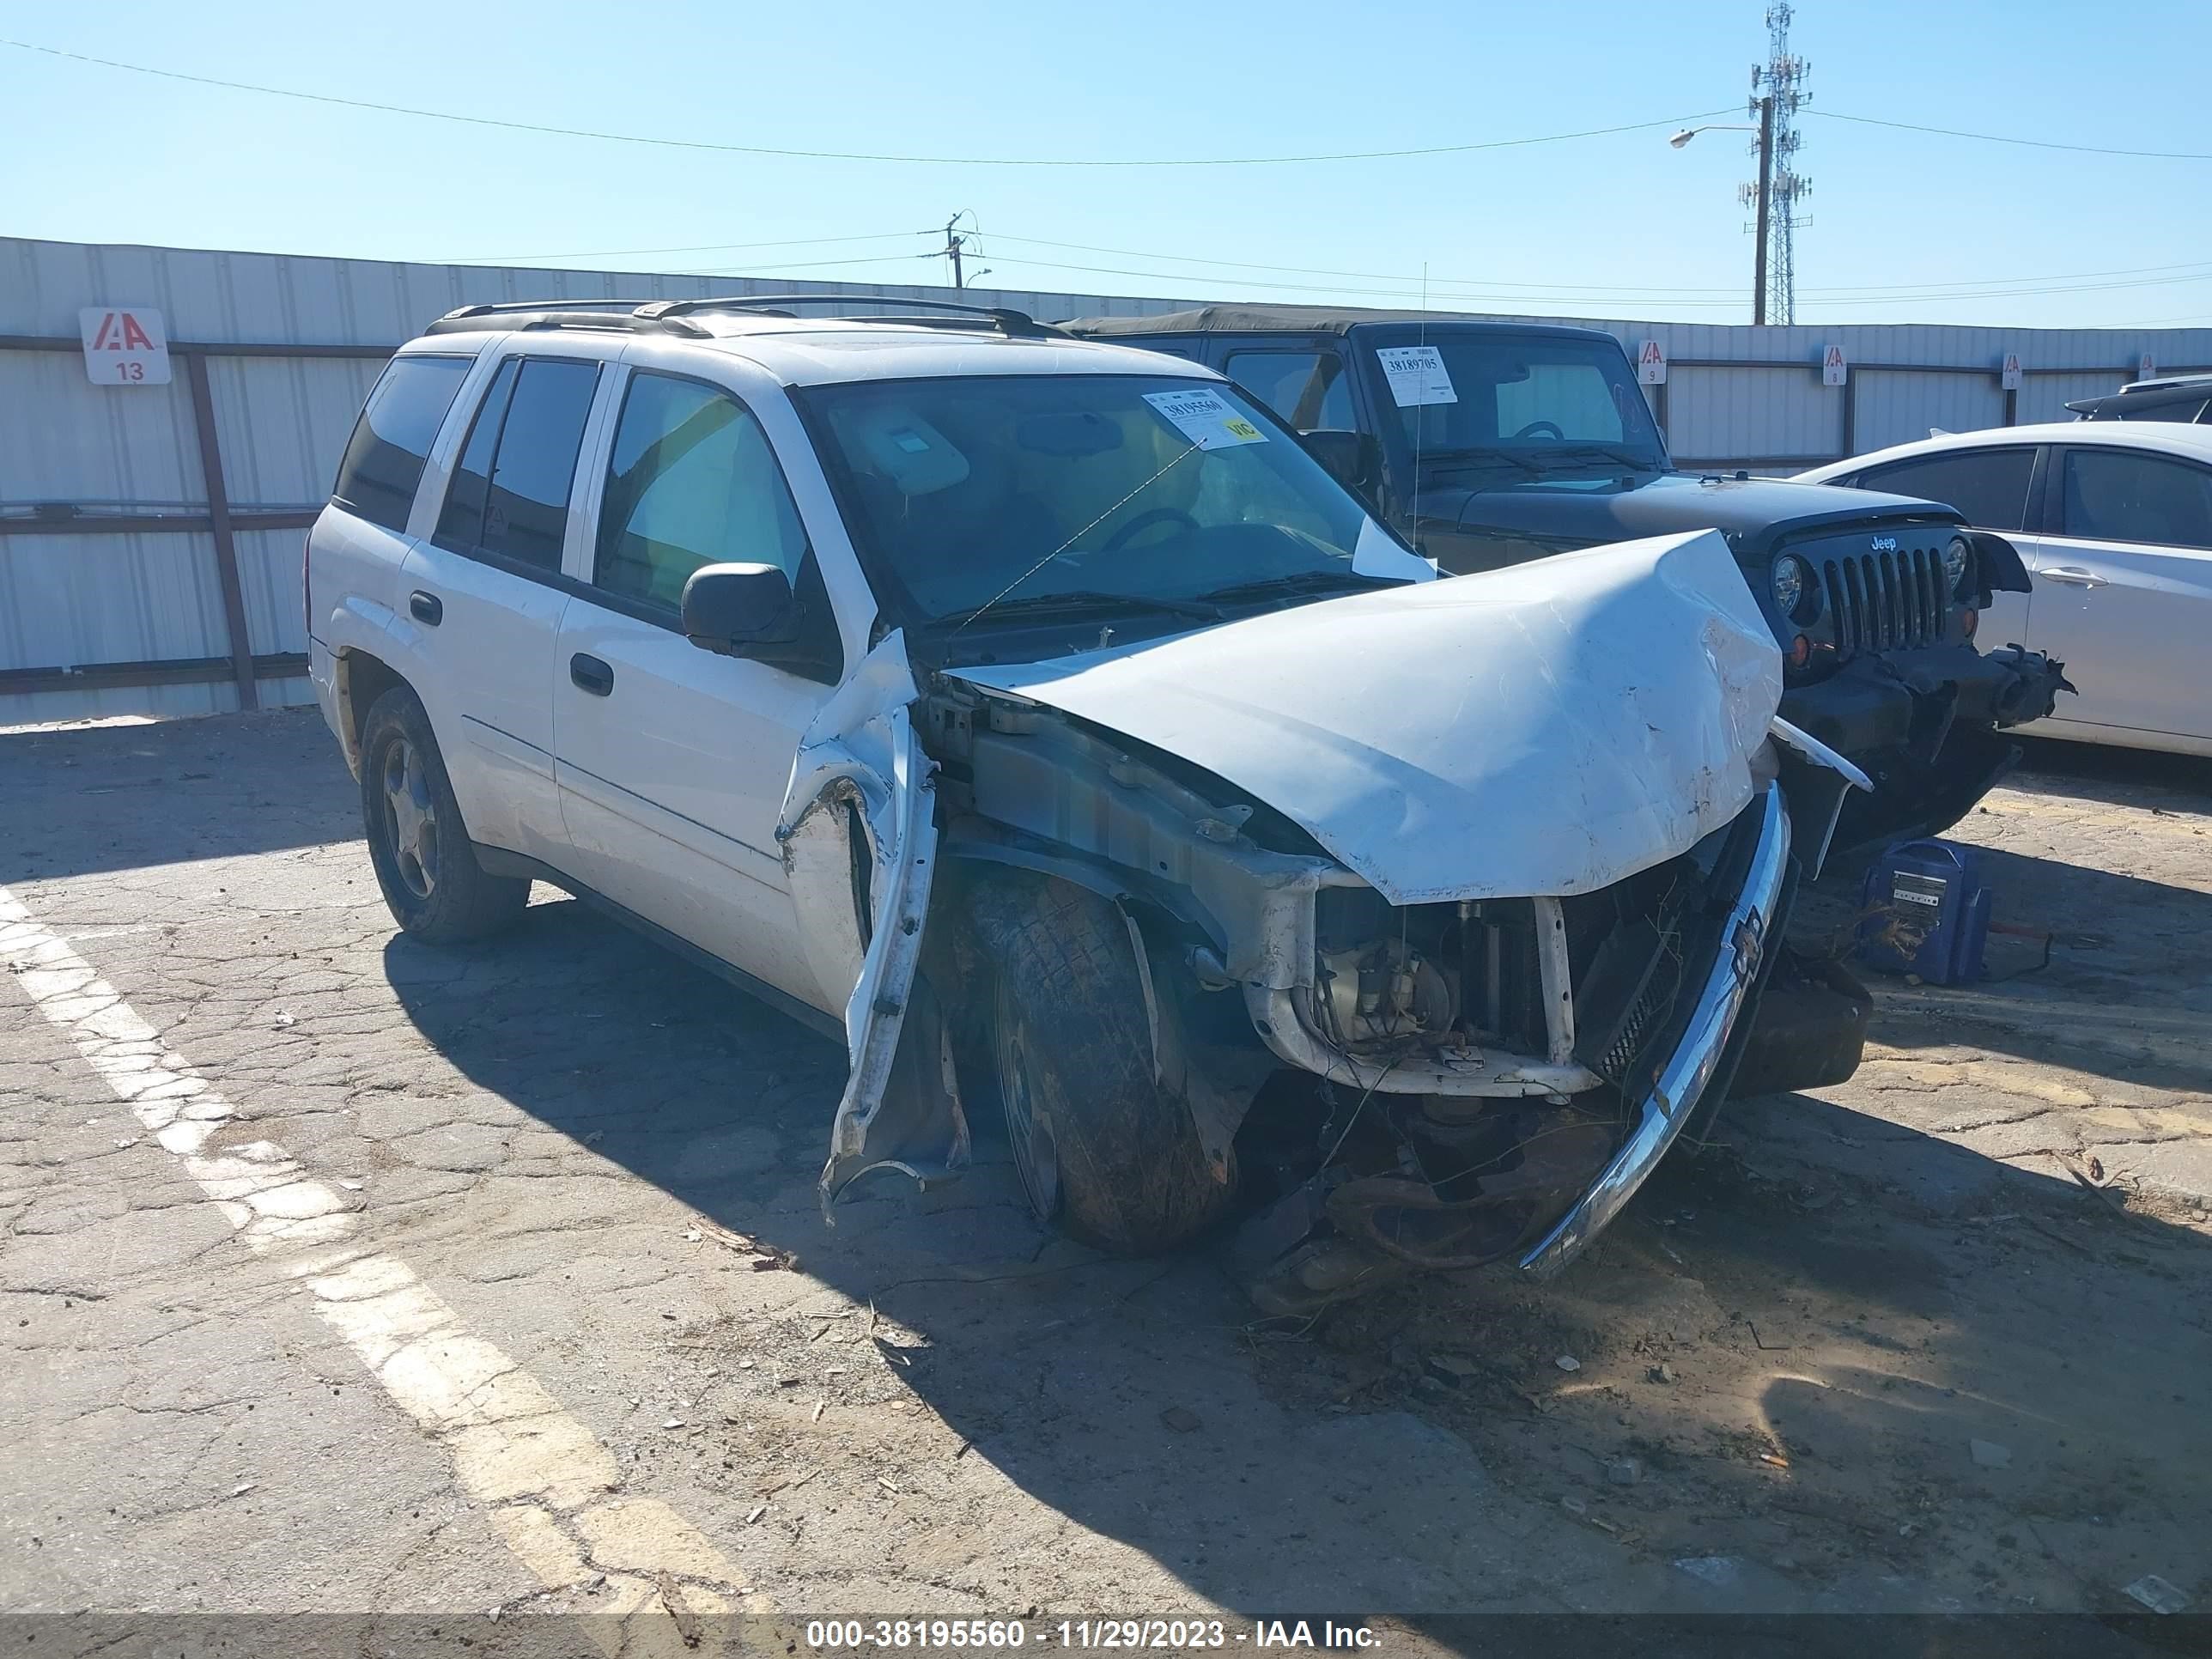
(592, 675)
(2074, 576)
(426, 608)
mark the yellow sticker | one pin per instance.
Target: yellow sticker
(1206, 417)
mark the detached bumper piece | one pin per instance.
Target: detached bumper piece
(1810, 1031)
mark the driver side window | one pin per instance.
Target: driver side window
(691, 482)
(1308, 389)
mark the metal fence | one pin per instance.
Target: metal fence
(150, 537)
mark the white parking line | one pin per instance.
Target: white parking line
(552, 1489)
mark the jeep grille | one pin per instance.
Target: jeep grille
(1883, 601)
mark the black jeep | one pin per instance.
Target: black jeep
(1488, 444)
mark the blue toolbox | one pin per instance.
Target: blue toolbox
(1924, 910)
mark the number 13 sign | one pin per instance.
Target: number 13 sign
(124, 346)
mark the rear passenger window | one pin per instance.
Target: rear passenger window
(510, 496)
(691, 482)
(1306, 388)
(384, 457)
(1988, 486)
(2114, 496)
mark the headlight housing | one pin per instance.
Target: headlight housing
(1792, 580)
(1958, 558)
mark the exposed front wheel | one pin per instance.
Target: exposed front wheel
(1103, 1150)
(424, 862)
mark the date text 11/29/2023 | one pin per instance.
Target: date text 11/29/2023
(1159, 1635)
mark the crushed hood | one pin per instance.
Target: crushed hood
(1551, 728)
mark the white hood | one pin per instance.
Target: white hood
(1551, 728)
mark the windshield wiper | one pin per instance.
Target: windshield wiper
(1580, 453)
(1300, 581)
(1452, 459)
(1537, 461)
(1079, 601)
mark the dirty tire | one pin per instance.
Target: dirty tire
(436, 888)
(1103, 1152)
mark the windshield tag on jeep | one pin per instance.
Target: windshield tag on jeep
(1206, 418)
(1416, 375)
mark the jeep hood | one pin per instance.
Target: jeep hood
(1580, 511)
(1550, 728)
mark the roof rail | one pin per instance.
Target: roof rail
(674, 316)
(1005, 319)
(556, 314)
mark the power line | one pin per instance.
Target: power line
(694, 248)
(1963, 289)
(784, 268)
(843, 156)
(2008, 139)
(1463, 297)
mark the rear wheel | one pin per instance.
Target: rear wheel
(1103, 1150)
(424, 861)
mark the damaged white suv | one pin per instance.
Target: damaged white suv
(1040, 719)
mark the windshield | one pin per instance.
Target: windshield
(1014, 492)
(1533, 402)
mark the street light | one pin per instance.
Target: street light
(1688, 133)
(1765, 128)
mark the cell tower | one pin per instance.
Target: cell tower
(1777, 92)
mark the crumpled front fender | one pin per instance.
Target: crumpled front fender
(1999, 562)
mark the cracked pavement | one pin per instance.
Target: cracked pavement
(603, 1163)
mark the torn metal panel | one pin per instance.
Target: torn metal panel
(858, 833)
(1550, 728)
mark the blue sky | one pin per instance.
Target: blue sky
(95, 154)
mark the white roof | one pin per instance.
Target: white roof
(2169, 437)
(827, 350)
(806, 351)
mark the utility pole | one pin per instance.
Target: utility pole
(1783, 75)
(1764, 107)
(953, 244)
(1774, 195)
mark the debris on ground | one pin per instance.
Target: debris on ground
(1990, 1454)
(2154, 1593)
(1453, 1370)
(671, 1597)
(1721, 1571)
(1567, 1362)
(1625, 1473)
(1180, 1419)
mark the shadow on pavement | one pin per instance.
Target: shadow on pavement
(80, 801)
(1854, 1299)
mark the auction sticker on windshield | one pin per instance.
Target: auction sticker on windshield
(1416, 375)
(1206, 418)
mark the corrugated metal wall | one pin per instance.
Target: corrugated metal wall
(280, 421)
(1735, 396)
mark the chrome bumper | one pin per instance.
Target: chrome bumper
(1687, 1075)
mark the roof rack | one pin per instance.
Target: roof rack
(1006, 319)
(673, 316)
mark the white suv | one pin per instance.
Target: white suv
(741, 625)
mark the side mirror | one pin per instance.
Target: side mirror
(730, 608)
(1349, 458)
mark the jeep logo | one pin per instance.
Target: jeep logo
(1885, 544)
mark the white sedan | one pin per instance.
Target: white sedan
(2114, 522)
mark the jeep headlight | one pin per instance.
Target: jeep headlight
(1789, 574)
(1956, 559)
